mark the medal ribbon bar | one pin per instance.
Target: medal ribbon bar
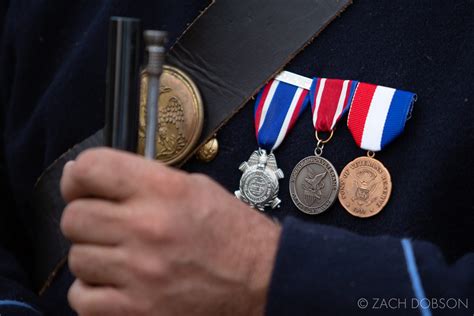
(330, 100)
(378, 115)
(314, 183)
(277, 108)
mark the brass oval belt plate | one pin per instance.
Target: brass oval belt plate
(180, 116)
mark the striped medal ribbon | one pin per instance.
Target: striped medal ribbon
(277, 108)
(314, 183)
(377, 116)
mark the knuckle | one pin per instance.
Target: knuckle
(149, 270)
(69, 218)
(85, 310)
(73, 296)
(123, 307)
(149, 229)
(200, 177)
(75, 261)
(72, 218)
(205, 186)
(122, 261)
(144, 308)
(167, 181)
(182, 186)
(88, 158)
(201, 180)
(86, 164)
(139, 227)
(138, 308)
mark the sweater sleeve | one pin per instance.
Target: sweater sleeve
(321, 270)
(16, 297)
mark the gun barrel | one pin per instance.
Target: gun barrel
(122, 83)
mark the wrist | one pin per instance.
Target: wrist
(265, 246)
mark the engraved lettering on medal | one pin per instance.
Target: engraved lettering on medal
(257, 186)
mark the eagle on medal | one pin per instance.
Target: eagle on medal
(365, 184)
(313, 186)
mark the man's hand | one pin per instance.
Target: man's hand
(151, 240)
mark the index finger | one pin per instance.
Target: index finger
(106, 173)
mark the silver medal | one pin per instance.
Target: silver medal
(259, 182)
(314, 185)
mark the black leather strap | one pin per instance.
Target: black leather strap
(230, 51)
(50, 245)
(235, 47)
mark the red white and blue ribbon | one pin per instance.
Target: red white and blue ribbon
(330, 100)
(378, 115)
(277, 108)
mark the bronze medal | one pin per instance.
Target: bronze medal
(377, 116)
(180, 116)
(365, 187)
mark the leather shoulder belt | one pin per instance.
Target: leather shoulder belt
(230, 51)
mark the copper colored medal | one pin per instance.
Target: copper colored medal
(365, 187)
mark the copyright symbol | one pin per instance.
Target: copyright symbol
(362, 303)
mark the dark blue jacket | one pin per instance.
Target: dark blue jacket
(419, 249)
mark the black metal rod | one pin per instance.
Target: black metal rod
(123, 80)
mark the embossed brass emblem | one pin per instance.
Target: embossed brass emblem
(180, 116)
(208, 151)
(365, 187)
